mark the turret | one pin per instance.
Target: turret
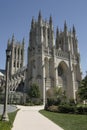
(32, 23)
(23, 41)
(74, 31)
(57, 32)
(50, 21)
(8, 43)
(39, 18)
(65, 28)
(57, 38)
(51, 33)
(13, 39)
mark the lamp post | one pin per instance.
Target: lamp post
(5, 115)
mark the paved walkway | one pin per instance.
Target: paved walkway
(28, 118)
(10, 108)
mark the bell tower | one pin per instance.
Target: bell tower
(53, 62)
(17, 54)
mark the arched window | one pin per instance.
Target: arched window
(17, 64)
(14, 64)
(44, 32)
(21, 54)
(48, 32)
(60, 71)
(18, 53)
(15, 52)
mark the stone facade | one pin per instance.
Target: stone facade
(17, 55)
(53, 62)
(2, 80)
(17, 69)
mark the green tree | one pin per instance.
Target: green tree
(55, 92)
(61, 94)
(34, 91)
(57, 95)
(82, 91)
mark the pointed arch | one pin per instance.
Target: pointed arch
(63, 74)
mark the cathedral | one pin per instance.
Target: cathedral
(53, 61)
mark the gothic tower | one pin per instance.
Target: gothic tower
(17, 55)
(53, 62)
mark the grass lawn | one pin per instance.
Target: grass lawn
(67, 121)
(8, 125)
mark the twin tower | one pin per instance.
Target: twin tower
(52, 62)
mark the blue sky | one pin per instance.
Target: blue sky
(16, 15)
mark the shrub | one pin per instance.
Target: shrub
(37, 101)
(53, 101)
(85, 110)
(34, 101)
(66, 109)
(50, 101)
(34, 91)
(72, 102)
(72, 109)
(53, 108)
(81, 110)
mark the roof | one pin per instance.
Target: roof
(1, 74)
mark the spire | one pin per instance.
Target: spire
(13, 38)
(39, 16)
(57, 37)
(32, 23)
(65, 26)
(8, 43)
(23, 41)
(57, 32)
(50, 21)
(74, 31)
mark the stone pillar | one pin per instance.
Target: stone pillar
(46, 38)
(55, 71)
(56, 76)
(44, 83)
(41, 35)
(72, 49)
(73, 80)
